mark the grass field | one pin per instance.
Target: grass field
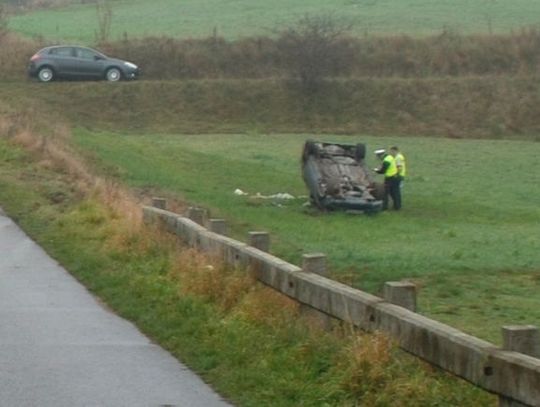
(233, 19)
(244, 339)
(468, 234)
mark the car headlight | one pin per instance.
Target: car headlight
(130, 65)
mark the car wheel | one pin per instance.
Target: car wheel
(315, 201)
(378, 190)
(360, 152)
(310, 149)
(45, 74)
(113, 75)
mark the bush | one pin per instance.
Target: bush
(315, 48)
(14, 55)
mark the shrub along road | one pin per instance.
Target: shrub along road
(60, 347)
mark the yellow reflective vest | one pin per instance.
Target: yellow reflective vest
(400, 162)
(391, 171)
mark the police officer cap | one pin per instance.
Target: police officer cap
(380, 151)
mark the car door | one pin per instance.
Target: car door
(63, 61)
(89, 62)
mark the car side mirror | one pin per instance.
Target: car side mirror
(98, 58)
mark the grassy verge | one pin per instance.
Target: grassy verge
(244, 339)
(497, 107)
(467, 234)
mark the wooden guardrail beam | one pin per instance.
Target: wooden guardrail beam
(514, 376)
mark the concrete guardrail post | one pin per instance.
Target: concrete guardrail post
(259, 240)
(159, 203)
(315, 263)
(218, 226)
(197, 215)
(400, 293)
(523, 339)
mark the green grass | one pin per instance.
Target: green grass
(468, 234)
(233, 19)
(251, 363)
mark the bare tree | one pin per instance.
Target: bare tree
(104, 16)
(315, 48)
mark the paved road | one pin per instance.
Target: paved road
(60, 348)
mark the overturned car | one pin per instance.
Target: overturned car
(338, 178)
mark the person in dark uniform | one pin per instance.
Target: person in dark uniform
(391, 179)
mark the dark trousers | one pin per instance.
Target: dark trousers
(392, 190)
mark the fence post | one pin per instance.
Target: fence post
(197, 215)
(523, 339)
(400, 293)
(218, 226)
(159, 203)
(259, 240)
(315, 263)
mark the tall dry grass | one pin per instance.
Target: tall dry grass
(366, 365)
(447, 54)
(50, 145)
(285, 56)
(15, 51)
(234, 291)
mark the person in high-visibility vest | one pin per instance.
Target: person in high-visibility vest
(391, 179)
(400, 163)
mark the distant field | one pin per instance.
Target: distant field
(468, 234)
(232, 19)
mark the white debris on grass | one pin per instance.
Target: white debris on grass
(283, 196)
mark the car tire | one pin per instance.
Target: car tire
(45, 74)
(312, 148)
(360, 152)
(317, 201)
(378, 191)
(113, 75)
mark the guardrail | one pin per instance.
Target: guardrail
(512, 372)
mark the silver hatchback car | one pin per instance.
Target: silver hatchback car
(78, 62)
